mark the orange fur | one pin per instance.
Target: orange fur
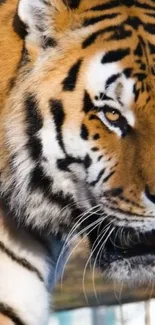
(66, 24)
(5, 320)
(10, 47)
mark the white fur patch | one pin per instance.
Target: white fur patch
(96, 77)
(36, 15)
(21, 290)
(29, 9)
(98, 73)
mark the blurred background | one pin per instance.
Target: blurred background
(84, 297)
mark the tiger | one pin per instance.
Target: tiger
(77, 143)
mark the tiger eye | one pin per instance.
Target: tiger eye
(112, 116)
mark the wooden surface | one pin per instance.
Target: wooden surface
(75, 292)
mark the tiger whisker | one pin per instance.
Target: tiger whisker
(105, 227)
(70, 205)
(102, 248)
(114, 242)
(84, 291)
(95, 224)
(152, 289)
(95, 262)
(74, 228)
(88, 260)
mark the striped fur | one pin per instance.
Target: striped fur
(24, 272)
(77, 131)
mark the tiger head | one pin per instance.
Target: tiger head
(78, 129)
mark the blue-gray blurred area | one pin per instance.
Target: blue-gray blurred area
(141, 313)
(85, 317)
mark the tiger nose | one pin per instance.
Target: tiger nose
(149, 194)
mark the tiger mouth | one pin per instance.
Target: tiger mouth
(118, 249)
(130, 245)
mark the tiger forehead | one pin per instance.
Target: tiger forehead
(104, 74)
(101, 21)
(97, 26)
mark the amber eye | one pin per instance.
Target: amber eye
(112, 115)
(114, 120)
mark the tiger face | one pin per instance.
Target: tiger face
(78, 129)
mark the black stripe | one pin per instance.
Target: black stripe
(96, 136)
(33, 117)
(127, 72)
(91, 39)
(56, 108)
(119, 33)
(139, 50)
(144, 6)
(150, 28)
(103, 96)
(117, 29)
(136, 92)
(129, 3)
(150, 14)
(39, 180)
(34, 147)
(46, 3)
(63, 164)
(94, 149)
(115, 192)
(151, 48)
(100, 157)
(94, 20)
(69, 82)
(112, 79)
(94, 117)
(98, 177)
(10, 313)
(140, 76)
(108, 177)
(34, 123)
(143, 66)
(84, 132)
(87, 103)
(73, 4)
(115, 55)
(21, 261)
(48, 42)
(134, 22)
(87, 161)
(106, 6)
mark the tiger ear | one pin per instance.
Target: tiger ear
(37, 16)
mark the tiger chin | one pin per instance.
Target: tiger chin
(77, 142)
